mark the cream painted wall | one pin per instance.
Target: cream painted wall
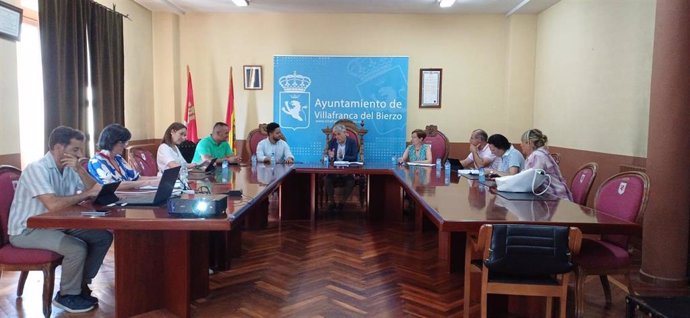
(166, 67)
(476, 53)
(9, 96)
(593, 74)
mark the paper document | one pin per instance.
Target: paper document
(347, 163)
(468, 171)
(420, 164)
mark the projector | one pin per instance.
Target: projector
(198, 206)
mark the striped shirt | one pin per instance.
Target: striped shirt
(39, 178)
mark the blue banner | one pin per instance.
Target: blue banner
(313, 92)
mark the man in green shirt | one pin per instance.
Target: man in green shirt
(216, 146)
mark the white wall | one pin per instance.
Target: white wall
(9, 96)
(593, 74)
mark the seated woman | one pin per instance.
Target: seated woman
(418, 151)
(169, 156)
(538, 157)
(511, 161)
(108, 166)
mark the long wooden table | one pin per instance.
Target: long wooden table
(161, 262)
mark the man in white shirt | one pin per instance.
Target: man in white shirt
(274, 146)
(54, 182)
(480, 155)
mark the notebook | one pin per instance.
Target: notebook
(165, 190)
(107, 194)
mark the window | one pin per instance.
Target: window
(30, 83)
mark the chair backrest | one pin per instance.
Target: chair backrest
(187, 149)
(143, 162)
(439, 143)
(9, 176)
(353, 131)
(623, 195)
(556, 157)
(582, 182)
(530, 250)
(255, 136)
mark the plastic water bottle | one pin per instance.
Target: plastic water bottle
(224, 173)
(438, 164)
(394, 160)
(482, 177)
(253, 160)
(273, 159)
(446, 167)
(325, 159)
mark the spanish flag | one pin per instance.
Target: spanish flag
(230, 116)
(190, 113)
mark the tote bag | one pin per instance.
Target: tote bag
(525, 181)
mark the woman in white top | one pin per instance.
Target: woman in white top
(169, 155)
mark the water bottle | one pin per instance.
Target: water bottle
(446, 168)
(325, 159)
(482, 177)
(394, 160)
(253, 160)
(438, 164)
(225, 165)
(273, 159)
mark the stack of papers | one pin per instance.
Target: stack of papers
(469, 171)
(420, 164)
(347, 163)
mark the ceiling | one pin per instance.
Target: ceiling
(350, 6)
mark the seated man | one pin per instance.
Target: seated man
(341, 148)
(274, 146)
(215, 146)
(480, 154)
(54, 182)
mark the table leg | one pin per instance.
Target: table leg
(154, 271)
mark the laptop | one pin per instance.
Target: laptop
(210, 168)
(163, 193)
(107, 194)
(455, 163)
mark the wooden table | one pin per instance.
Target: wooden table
(162, 262)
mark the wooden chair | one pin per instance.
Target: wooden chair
(556, 157)
(623, 196)
(439, 143)
(254, 137)
(23, 259)
(527, 260)
(582, 182)
(143, 162)
(357, 133)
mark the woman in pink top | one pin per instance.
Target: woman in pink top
(538, 157)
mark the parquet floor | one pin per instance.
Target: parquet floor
(344, 267)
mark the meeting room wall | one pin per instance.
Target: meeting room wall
(487, 62)
(593, 75)
(138, 80)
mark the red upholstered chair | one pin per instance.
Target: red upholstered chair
(357, 133)
(21, 259)
(582, 182)
(624, 196)
(143, 162)
(439, 143)
(255, 136)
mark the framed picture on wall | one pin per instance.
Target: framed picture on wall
(430, 80)
(10, 21)
(253, 77)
